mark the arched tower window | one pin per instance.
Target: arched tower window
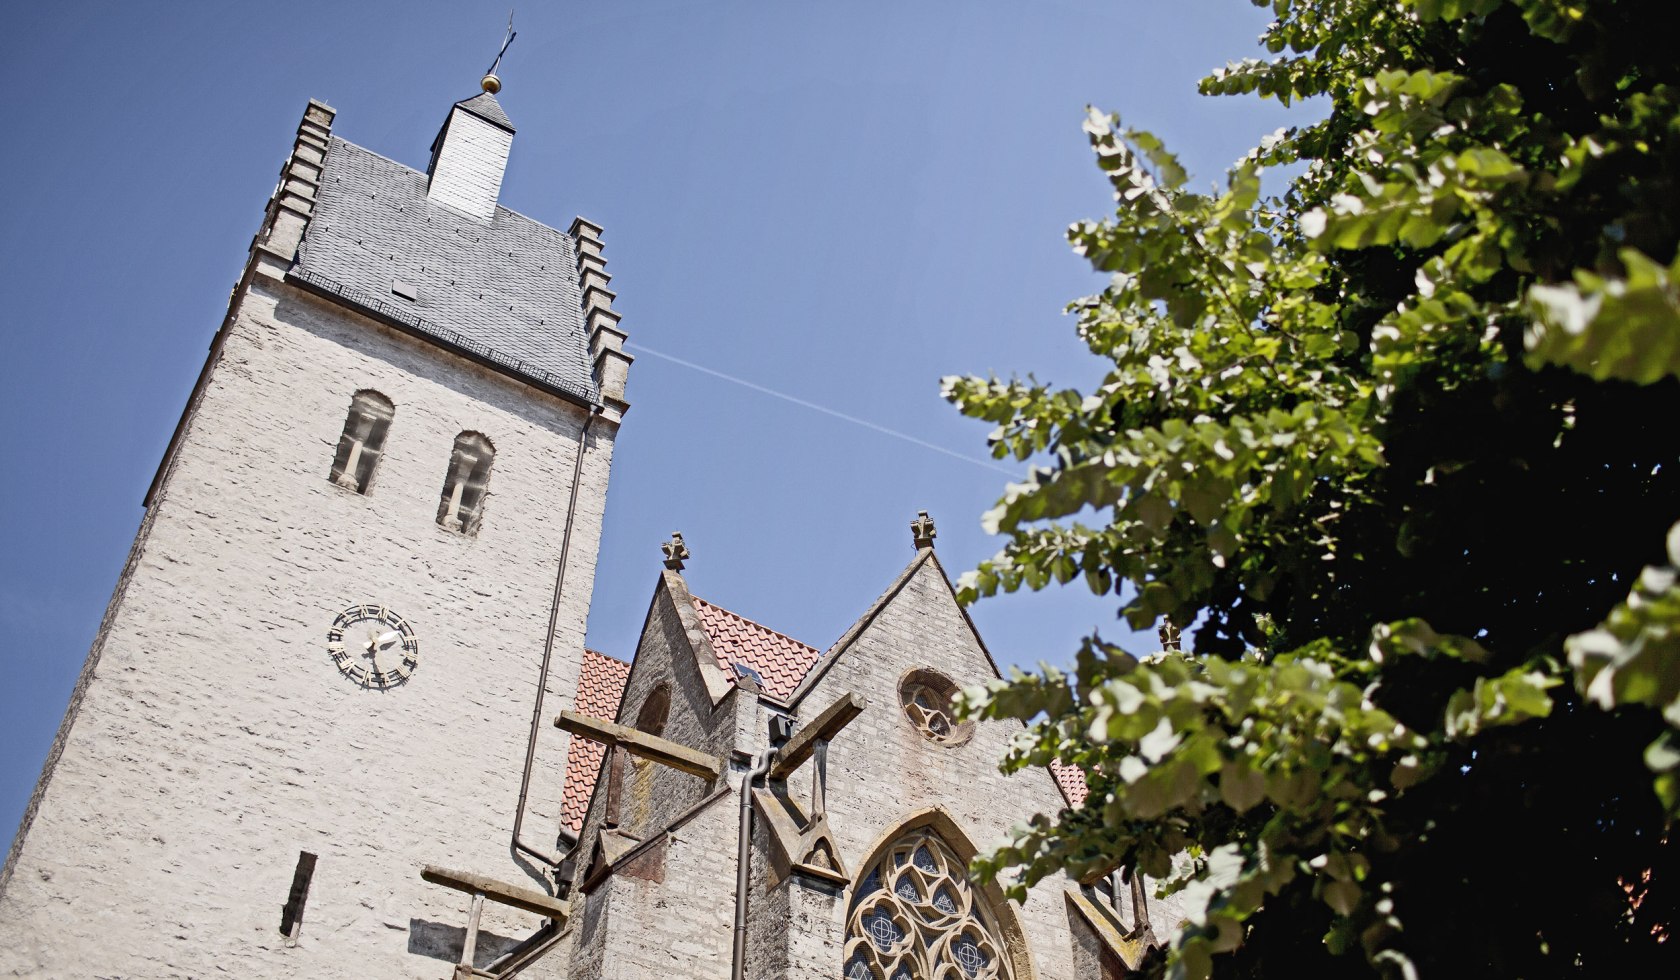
(915, 916)
(462, 506)
(363, 441)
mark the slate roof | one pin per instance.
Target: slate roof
(600, 688)
(780, 661)
(506, 291)
(484, 106)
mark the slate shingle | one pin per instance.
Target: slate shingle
(485, 107)
(507, 290)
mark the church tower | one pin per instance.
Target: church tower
(366, 557)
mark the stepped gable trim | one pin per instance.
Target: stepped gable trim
(600, 690)
(608, 361)
(507, 286)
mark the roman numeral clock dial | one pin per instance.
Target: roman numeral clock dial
(373, 646)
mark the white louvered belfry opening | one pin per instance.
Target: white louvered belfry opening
(462, 505)
(362, 441)
(471, 157)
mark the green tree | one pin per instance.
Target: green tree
(1402, 446)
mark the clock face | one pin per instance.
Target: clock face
(373, 646)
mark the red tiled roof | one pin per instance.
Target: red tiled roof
(1072, 781)
(781, 660)
(600, 687)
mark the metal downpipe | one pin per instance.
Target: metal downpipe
(743, 863)
(520, 846)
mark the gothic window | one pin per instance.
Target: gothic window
(651, 718)
(926, 697)
(914, 916)
(462, 506)
(363, 441)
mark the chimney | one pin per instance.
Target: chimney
(469, 157)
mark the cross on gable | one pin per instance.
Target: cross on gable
(675, 552)
(922, 531)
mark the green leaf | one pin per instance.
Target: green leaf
(1626, 328)
(1241, 787)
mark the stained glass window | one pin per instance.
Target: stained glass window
(926, 697)
(916, 917)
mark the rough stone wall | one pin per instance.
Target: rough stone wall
(667, 911)
(1090, 957)
(216, 739)
(639, 924)
(652, 796)
(670, 926)
(655, 795)
(467, 174)
(795, 922)
(881, 770)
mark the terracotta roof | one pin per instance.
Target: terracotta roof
(600, 687)
(780, 661)
(1072, 781)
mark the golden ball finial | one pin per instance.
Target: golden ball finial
(490, 83)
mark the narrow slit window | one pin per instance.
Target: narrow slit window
(363, 441)
(464, 487)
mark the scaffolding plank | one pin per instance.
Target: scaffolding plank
(651, 747)
(500, 892)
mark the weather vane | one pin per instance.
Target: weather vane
(490, 82)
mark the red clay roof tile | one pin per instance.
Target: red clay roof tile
(600, 688)
(1072, 781)
(781, 660)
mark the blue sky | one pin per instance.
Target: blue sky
(839, 202)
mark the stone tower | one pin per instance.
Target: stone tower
(367, 553)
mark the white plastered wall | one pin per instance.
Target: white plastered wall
(217, 739)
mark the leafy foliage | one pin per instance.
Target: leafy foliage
(1634, 658)
(1386, 440)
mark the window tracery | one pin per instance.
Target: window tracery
(464, 487)
(363, 440)
(914, 916)
(926, 697)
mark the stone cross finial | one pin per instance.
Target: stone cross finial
(675, 552)
(922, 530)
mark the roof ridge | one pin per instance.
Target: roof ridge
(755, 623)
(390, 160)
(606, 656)
(487, 107)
